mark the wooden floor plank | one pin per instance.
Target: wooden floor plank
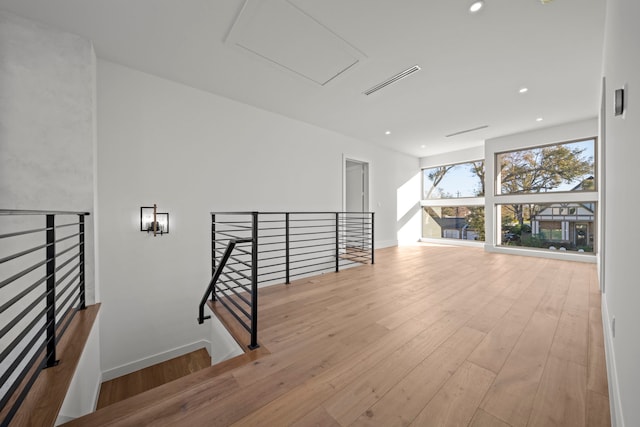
(598, 414)
(571, 339)
(512, 394)
(457, 401)
(433, 335)
(318, 418)
(346, 405)
(499, 342)
(561, 397)
(403, 402)
(297, 403)
(597, 365)
(483, 419)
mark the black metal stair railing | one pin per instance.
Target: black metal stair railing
(234, 280)
(42, 286)
(252, 249)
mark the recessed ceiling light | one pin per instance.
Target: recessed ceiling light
(388, 132)
(539, 119)
(523, 90)
(476, 6)
(423, 146)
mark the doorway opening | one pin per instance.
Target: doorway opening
(356, 186)
(356, 199)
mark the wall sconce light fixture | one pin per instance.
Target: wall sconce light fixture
(153, 221)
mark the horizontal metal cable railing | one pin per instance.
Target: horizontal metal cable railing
(42, 285)
(250, 249)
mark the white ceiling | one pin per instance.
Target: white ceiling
(330, 51)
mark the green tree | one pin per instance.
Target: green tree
(478, 169)
(476, 221)
(541, 169)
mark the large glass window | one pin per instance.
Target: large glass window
(553, 226)
(454, 181)
(545, 198)
(453, 222)
(534, 207)
(553, 168)
(461, 219)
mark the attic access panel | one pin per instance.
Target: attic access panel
(282, 34)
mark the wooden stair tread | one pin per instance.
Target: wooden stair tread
(145, 379)
(216, 380)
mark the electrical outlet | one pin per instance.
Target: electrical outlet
(613, 326)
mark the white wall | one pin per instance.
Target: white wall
(47, 122)
(82, 395)
(47, 139)
(192, 152)
(622, 151)
(461, 156)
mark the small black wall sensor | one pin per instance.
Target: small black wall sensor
(619, 102)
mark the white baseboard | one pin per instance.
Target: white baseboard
(152, 360)
(617, 420)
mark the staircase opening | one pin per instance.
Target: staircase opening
(137, 382)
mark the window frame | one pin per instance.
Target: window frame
(497, 182)
(556, 197)
(467, 162)
(572, 132)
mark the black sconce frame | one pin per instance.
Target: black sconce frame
(159, 223)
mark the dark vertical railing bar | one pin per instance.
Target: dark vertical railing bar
(337, 242)
(83, 301)
(286, 249)
(213, 253)
(254, 282)
(372, 237)
(51, 295)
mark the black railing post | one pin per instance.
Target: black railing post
(337, 242)
(286, 247)
(213, 253)
(254, 281)
(51, 294)
(372, 238)
(83, 300)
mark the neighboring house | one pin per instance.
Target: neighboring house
(448, 223)
(567, 223)
(572, 224)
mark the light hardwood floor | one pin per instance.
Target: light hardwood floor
(427, 336)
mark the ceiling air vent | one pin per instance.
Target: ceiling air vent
(466, 131)
(393, 79)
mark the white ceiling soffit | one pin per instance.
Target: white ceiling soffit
(284, 35)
